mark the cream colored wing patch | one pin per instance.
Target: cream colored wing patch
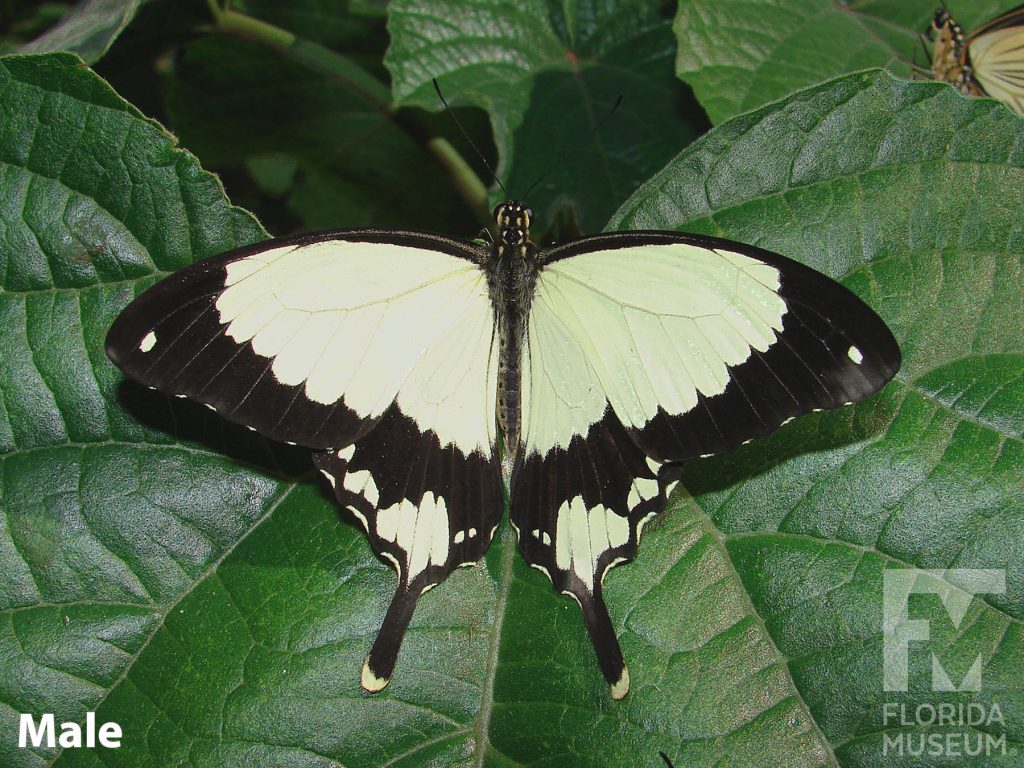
(998, 62)
(372, 323)
(639, 328)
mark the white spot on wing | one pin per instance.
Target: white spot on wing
(644, 489)
(346, 454)
(856, 355)
(362, 483)
(394, 561)
(543, 570)
(640, 525)
(370, 681)
(612, 564)
(420, 532)
(582, 536)
(148, 342)
(362, 519)
(460, 536)
(621, 686)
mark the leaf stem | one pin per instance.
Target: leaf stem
(368, 88)
(215, 9)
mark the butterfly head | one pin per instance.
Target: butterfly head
(513, 220)
(943, 27)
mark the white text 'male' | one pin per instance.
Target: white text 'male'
(71, 734)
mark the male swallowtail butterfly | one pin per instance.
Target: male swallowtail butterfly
(988, 62)
(401, 358)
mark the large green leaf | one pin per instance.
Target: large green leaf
(547, 74)
(910, 195)
(740, 54)
(107, 522)
(157, 566)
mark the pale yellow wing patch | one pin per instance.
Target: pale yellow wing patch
(998, 61)
(639, 328)
(373, 323)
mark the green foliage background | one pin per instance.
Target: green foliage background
(195, 583)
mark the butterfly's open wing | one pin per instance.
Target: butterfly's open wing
(646, 349)
(375, 348)
(996, 53)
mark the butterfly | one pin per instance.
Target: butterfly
(988, 62)
(427, 372)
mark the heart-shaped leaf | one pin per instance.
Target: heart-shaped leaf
(159, 567)
(738, 55)
(548, 75)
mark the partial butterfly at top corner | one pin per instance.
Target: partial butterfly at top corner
(406, 360)
(987, 62)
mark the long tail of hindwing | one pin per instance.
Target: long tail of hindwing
(426, 509)
(579, 511)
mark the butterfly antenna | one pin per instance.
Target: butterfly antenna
(916, 68)
(565, 158)
(465, 135)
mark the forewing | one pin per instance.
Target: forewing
(647, 348)
(309, 340)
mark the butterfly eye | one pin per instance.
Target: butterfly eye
(499, 212)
